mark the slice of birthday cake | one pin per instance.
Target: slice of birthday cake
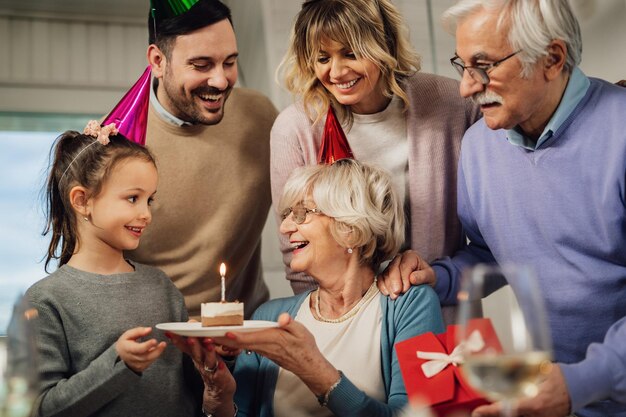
(221, 314)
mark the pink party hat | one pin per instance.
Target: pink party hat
(130, 115)
(334, 143)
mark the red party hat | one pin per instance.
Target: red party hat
(334, 143)
(130, 115)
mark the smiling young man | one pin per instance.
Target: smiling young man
(542, 182)
(195, 81)
(211, 142)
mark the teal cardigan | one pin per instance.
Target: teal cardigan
(411, 314)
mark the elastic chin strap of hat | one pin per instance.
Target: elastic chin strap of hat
(153, 13)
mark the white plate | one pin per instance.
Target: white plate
(195, 329)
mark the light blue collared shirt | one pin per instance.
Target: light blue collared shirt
(574, 92)
(160, 110)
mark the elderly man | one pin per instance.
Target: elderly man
(211, 142)
(542, 180)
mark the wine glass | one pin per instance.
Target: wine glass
(416, 410)
(18, 362)
(506, 344)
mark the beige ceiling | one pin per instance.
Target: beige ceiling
(116, 9)
(133, 9)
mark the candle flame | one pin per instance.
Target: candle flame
(222, 269)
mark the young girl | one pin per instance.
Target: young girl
(97, 355)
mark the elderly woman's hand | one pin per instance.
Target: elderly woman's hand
(403, 271)
(293, 348)
(219, 384)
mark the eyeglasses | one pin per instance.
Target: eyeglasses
(299, 213)
(480, 72)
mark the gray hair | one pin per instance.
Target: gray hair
(360, 199)
(533, 25)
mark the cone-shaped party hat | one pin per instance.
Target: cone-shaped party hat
(130, 115)
(166, 9)
(334, 143)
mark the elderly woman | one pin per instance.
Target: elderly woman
(355, 56)
(334, 345)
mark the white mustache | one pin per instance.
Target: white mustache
(487, 97)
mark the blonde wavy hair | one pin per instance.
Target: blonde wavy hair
(372, 29)
(361, 201)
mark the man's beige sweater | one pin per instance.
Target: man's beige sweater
(212, 202)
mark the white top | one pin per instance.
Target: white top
(381, 139)
(352, 346)
(221, 309)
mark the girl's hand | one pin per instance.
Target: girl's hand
(292, 347)
(138, 356)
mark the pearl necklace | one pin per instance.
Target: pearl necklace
(369, 294)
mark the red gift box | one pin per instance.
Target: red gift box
(446, 392)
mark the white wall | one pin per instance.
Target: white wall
(603, 28)
(55, 62)
(77, 63)
(67, 65)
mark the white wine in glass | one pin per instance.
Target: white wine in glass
(508, 362)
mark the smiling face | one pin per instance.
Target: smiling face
(200, 73)
(121, 211)
(509, 99)
(315, 251)
(353, 81)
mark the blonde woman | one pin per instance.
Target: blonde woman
(334, 346)
(354, 55)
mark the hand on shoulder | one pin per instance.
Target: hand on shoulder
(403, 271)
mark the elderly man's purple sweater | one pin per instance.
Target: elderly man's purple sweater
(561, 209)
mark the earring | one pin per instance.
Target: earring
(350, 250)
(86, 219)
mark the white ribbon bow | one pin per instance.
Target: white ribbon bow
(440, 361)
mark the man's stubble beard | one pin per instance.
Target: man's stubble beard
(187, 109)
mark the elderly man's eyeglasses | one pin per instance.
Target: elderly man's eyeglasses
(299, 213)
(479, 72)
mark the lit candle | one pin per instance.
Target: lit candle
(223, 273)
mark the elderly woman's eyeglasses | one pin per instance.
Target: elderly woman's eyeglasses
(480, 72)
(299, 213)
